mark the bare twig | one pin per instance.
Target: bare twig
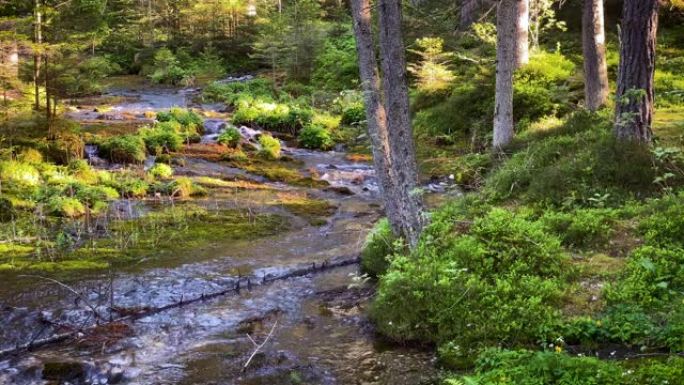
(69, 288)
(260, 346)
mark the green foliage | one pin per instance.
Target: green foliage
(581, 163)
(188, 119)
(19, 173)
(163, 138)
(543, 87)
(432, 72)
(184, 188)
(161, 170)
(379, 247)
(581, 227)
(272, 116)
(7, 211)
(270, 147)
(124, 149)
(230, 137)
(230, 93)
(492, 281)
(315, 136)
(336, 67)
(65, 206)
(354, 114)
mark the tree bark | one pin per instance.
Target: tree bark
(471, 11)
(403, 169)
(375, 110)
(38, 40)
(594, 49)
(635, 93)
(522, 31)
(506, 54)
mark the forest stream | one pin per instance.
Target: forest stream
(311, 328)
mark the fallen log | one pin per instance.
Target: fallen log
(242, 283)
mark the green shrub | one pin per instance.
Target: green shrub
(354, 114)
(378, 249)
(230, 137)
(188, 119)
(82, 170)
(65, 147)
(30, 156)
(161, 170)
(289, 118)
(665, 225)
(124, 149)
(270, 147)
(161, 139)
(65, 207)
(315, 137)
(496, 280)
(19, 173)
(504, 367)
(336, 67)
(581, 227)
(132, 187)
(229, 93)
(582, 166)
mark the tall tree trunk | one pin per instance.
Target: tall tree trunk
(402, 150)
(522, 31)
(375, 110)
(48, 95)
(635, 93)
(38, 40)
(506, 53)
(594, 49)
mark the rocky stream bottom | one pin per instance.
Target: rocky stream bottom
(285, 308)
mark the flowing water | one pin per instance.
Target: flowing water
(313, 327)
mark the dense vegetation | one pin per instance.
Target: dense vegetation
(566, 244)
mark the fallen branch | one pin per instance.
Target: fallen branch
(259, 346)
(239, 285)
(69, 288)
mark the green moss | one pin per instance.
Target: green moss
(315, 211)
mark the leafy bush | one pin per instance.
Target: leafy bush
(336, 67)
(163, 138)
(30, 156)
(270, 147)
(664, 225)
(495, 280)
(378, 249)
(230, 93)
(184, 188)
(230, 137)
(188, 119)
(161, 170)
(580, 227)
(19, 173)
(272, 116)
(354, 114)
(65, 147)
(581, 164)
(124, 149)
(65, 207)
(315, 137)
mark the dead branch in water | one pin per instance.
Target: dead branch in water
(69, 288)
(258, 347)
(241, 284)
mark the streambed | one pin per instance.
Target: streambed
(320, 330)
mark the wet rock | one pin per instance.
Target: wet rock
(74, 372)
(342, 190)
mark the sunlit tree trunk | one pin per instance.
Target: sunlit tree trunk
(402, 150)
(506, 53)
(522, 30)
(594, 49)
(375, 110)
(37, 39)
(635, 93)
(387, 111)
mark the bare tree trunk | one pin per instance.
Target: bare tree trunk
(402, 150)
(594, 48)
(522, 28)
(506, 53)
(635, 94)
(375, 110)
(38, 39)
